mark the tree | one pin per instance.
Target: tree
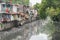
(24, 2)
(36, 6)
(51, 7)
(41, 9)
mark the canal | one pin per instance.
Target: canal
(37, 30)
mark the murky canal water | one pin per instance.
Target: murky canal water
(44, 31)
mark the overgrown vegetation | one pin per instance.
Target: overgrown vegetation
(24, 2)
(49, 8)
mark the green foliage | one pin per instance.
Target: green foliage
(48, 7)
(53, 13)
(24, 2)
(41, 9)
(37, 6)
(43, 15)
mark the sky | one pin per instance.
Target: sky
(33, 2)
